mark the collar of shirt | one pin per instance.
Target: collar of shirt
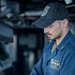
(65, 41)
(61, 46)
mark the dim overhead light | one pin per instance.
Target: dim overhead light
(68, 1)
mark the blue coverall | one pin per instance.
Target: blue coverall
(60, 62)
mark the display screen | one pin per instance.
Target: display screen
(28, 40)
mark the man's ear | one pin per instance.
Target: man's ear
(65, 22)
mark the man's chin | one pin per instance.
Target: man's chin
(51, 38)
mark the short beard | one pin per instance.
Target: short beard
(59, 36)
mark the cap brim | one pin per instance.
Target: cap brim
(42, 22)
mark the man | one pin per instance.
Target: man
(58, 57)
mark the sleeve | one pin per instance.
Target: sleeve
(37, 69)
(69, 65)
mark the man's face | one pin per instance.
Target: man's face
(54, 31)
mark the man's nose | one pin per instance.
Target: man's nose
(46, 30)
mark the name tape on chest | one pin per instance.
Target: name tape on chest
(55, 64)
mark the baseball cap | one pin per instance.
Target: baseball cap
(51, 13)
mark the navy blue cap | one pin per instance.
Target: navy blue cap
(52, 12)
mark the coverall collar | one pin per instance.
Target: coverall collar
(60, 47)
